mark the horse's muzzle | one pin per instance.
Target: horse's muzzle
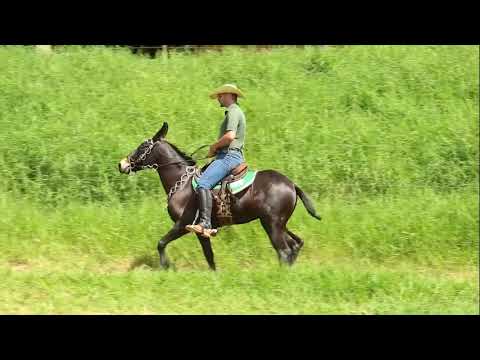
(124, 166)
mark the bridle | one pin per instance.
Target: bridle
(189, 171)
(155, 165)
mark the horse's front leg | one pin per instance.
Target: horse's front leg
(207, 251)
(177, 231)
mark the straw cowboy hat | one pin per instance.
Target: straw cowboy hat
(226, 89)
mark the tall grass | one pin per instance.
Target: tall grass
(361, 119)
(425, 229)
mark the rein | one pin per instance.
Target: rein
(156, 166)
(201, 147)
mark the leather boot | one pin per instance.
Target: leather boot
(204, 226)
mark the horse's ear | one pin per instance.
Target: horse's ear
(161, 133)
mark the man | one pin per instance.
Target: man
(228, 151)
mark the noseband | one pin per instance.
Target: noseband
(155, 165)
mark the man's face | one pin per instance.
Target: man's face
(225, 99)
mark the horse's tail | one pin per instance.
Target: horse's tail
(307, 202)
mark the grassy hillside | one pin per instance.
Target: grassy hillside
(384, 138)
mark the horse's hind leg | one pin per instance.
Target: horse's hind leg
(293, 246)
(278, 238)
(297, 243)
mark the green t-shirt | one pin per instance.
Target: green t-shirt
(234, 121)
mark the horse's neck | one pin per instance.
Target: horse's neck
(170, 174)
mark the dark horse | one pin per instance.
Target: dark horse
(271, 198)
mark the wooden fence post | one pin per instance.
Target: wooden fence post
(165, 53)
(47, 49)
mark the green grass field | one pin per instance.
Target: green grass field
(385, 139)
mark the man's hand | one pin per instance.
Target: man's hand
(225, 140)
(212, 151)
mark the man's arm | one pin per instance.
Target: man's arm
(225, 140)
(229, 136)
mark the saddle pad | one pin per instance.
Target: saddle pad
(236, 186)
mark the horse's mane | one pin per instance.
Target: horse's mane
(181, 153)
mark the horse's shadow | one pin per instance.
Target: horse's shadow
(146, 262)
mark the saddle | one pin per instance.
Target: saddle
(222, 195)
(237, 173)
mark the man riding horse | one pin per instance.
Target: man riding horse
(271, 197)
(228, 152)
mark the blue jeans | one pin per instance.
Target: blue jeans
(219, 168)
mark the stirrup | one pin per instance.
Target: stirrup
(200, 230)
(209, 233)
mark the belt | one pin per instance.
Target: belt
(232, 149)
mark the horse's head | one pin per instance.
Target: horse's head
(141, 157)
